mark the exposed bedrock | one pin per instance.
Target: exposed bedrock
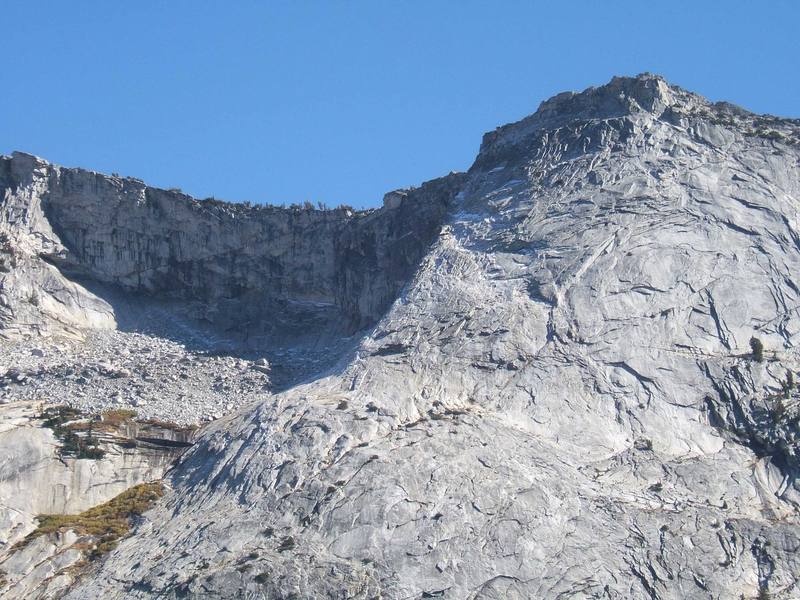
(42, 474)
(563, 402)
(261, 270)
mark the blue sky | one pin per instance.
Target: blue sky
(343, 101)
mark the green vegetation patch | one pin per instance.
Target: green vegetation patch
(118, 416)
(65, 423)
(106, 522)
(168, 425)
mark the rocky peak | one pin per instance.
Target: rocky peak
(620, 97)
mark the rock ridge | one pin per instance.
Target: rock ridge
(238, 265)
(641, 99)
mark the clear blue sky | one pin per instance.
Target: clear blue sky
(342, 101)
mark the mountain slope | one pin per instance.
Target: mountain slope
(561, 403)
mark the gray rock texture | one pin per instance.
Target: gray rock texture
(272, 271)
(156, 377)
(36, 478)
(556, 398)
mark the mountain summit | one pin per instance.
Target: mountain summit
(622, 96)
(566, 373)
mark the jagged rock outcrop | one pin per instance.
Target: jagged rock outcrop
(561, 402)
(35, 298)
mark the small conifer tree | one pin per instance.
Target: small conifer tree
(758, 349)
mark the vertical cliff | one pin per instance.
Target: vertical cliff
(266, 271)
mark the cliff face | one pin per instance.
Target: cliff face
(562, 403)
(269, 271)
(38, 477)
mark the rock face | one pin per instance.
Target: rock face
(37, 479)
(270, 271)
(34, 296)
(561, 402)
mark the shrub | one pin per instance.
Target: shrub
(169, 425)
(788, 385)
(118, 416)
(107, 522)
(286, 544)
(56, 416)
(61, 419)
(770, 134)
(778, 410)
(758, 349)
